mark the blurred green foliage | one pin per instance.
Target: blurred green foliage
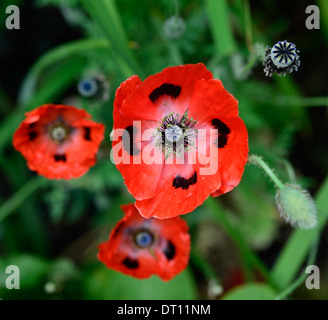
(51, 229)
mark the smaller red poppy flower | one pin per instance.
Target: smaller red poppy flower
(58, 141)
(142, 247)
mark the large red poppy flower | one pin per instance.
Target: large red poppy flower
(59, 142)
(142, 247)
(171, 104)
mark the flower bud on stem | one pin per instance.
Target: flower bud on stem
(296, 206)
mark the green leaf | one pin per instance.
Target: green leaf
(104, 13)
(59, 54)
(254, 291)
(105, 284)
(218, 13)
(32, 270)
(21, 195)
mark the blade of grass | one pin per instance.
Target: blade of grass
(59, 54)
(248, 26)
(300, 280)
(222, 32)
(299, 244)
(249, 257)
(21, 195)
(323, 5)
(288, 87)
(104, 13)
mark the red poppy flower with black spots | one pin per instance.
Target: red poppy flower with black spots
(143, 247)
(183, 114)
(59, 142)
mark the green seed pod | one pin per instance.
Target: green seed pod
(296, 206)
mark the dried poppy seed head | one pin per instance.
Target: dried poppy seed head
(174, 27)
(283, 54)
(296, 206)
(281, 59)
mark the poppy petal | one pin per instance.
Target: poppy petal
(165, 92)
(214, 101)
(233, 157)
(127, 146)
(182, 188)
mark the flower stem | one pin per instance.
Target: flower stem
(248, 26)
(293, 286)
(253, 59)
(299, 244)
(249, 257)
(258, 161)
(290, 171)
(204, 267)
(177, 8)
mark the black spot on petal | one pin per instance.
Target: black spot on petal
(223, 132)
(60, 157)
(222, 141)
(130, 263)
(32, 135)
(165, 89)
(170, 251)
(183, 183)
(87, 133)
(31, 125)
(128, 141)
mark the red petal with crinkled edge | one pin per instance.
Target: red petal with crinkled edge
(166, 257)
(233, 157)
(128, 156)
(164, 92)
(69, 159)
(182, 188)
(211, 98)
(219, 105)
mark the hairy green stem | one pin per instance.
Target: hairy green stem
(299, 244)
(258, 161)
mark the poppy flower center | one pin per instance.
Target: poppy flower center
(175, 134)
(143, 238)
(59, 132)
(87, 87)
